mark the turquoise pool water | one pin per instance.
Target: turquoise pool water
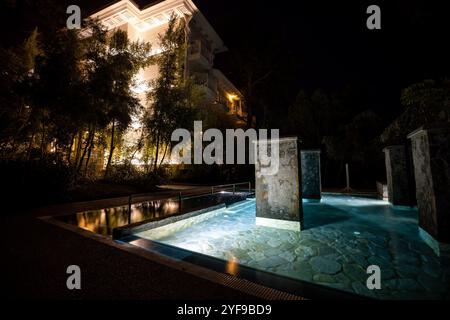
(343, 235)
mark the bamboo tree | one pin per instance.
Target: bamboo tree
(174, 97)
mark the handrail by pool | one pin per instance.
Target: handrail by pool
(207, 192)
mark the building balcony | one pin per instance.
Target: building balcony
(208, 83)
(200, 56)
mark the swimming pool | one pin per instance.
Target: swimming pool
(342, 236)
(104, 221)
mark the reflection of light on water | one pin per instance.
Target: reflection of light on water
(171, 206)
(196, 246)
(311, 201)
(103, 221)
(232, 266)
(90, 220)
(350, 202)
(136, 214)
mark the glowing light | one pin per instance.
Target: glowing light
(137, 162)
(232, 97)
(172, 206)
(232, 266)
(140, 87)
(155, 51)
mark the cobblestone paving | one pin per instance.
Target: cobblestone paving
(343, 235)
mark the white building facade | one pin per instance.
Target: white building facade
(148, 23)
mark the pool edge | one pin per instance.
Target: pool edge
(251, 288)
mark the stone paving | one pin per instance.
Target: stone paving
(343, 235)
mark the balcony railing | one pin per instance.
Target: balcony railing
(199, 51)
(206, 80)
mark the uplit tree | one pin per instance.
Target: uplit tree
(112, 63)
(17, 71)
(57, 96)
(174, 96)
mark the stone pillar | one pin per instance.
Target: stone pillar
(431, 158)
(311, 184)
(397, 176)
(278, 195)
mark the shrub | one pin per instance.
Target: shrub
(136, 176)
(32, 183)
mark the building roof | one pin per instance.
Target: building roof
(153, 14)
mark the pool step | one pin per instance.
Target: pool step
(242, 205)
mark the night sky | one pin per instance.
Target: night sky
(316, 44)
(325, 44)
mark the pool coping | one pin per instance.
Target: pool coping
(265, 278)
(130, 229)
(289, 285)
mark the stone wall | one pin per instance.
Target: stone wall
(431, 157)
(397, 175)
(278, 196)
(311, 179)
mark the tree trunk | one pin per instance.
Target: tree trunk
(157, 152)
(70, 149)
(77, 154)
(88, 143)
(112, 146)
(91, 145)
(43, 142)
(30, 147)
(164, 155)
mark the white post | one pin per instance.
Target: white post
(347, 176)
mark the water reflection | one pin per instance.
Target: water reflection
(105, 220)
(232, 266)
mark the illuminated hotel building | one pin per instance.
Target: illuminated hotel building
(147, 23)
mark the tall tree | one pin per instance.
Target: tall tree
(425, 103)
(113, 62)
(174, 96)
(315, 116)
(57, 99)
(17, 64)
(254, 70)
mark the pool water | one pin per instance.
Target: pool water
(103, 221)
(342, 236)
